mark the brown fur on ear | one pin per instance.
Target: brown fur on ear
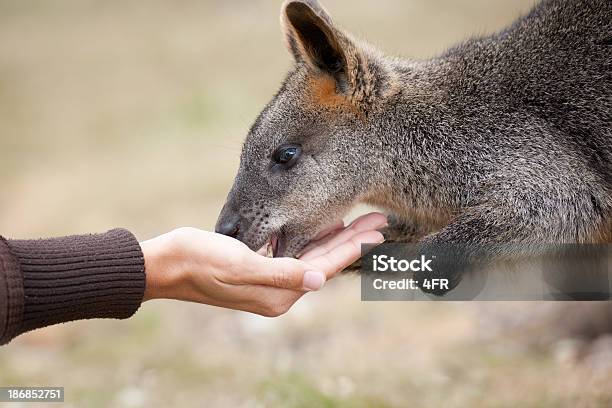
(324, 95)
(604, 234)
(313, 40)
(311, 10)
(341, 68)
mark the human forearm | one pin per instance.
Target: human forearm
(62, 279)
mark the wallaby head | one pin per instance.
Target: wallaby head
(300, 167)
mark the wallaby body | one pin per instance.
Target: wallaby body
(505, 139)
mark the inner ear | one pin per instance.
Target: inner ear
(315, 41)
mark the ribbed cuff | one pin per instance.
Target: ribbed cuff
(11, 286)
(79, 277)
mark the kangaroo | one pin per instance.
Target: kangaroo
(504, 139)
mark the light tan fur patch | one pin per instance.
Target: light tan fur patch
(325, 95)
(604, 235)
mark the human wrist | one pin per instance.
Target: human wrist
(163, 267)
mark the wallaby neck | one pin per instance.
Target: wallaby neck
(416, 126)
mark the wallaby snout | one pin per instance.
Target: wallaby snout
(253, 224)
(229, 223)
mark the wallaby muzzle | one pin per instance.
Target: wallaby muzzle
(253, 227)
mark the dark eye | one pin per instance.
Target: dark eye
(287, 155)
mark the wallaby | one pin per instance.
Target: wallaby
(505, 139)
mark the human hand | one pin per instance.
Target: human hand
(204, 267)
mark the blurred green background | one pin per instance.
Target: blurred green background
(131, 114)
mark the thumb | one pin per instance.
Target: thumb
(286, 273)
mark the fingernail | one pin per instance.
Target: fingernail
(313, 280)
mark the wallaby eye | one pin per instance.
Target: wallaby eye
(287, 155)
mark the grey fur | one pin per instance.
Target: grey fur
(502, 139)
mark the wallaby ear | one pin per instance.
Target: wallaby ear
(312, 38)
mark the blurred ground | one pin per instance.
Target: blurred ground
(131, 113)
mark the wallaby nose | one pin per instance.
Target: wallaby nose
(229, 226)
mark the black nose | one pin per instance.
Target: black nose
(229, 227)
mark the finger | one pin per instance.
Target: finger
(338, 225)
(319, 242)
(285, 273)
(321, 245)
(323, 237)
(345, 254)
(368, 222)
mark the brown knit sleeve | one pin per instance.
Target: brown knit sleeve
(49, 281)
(11, 293)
